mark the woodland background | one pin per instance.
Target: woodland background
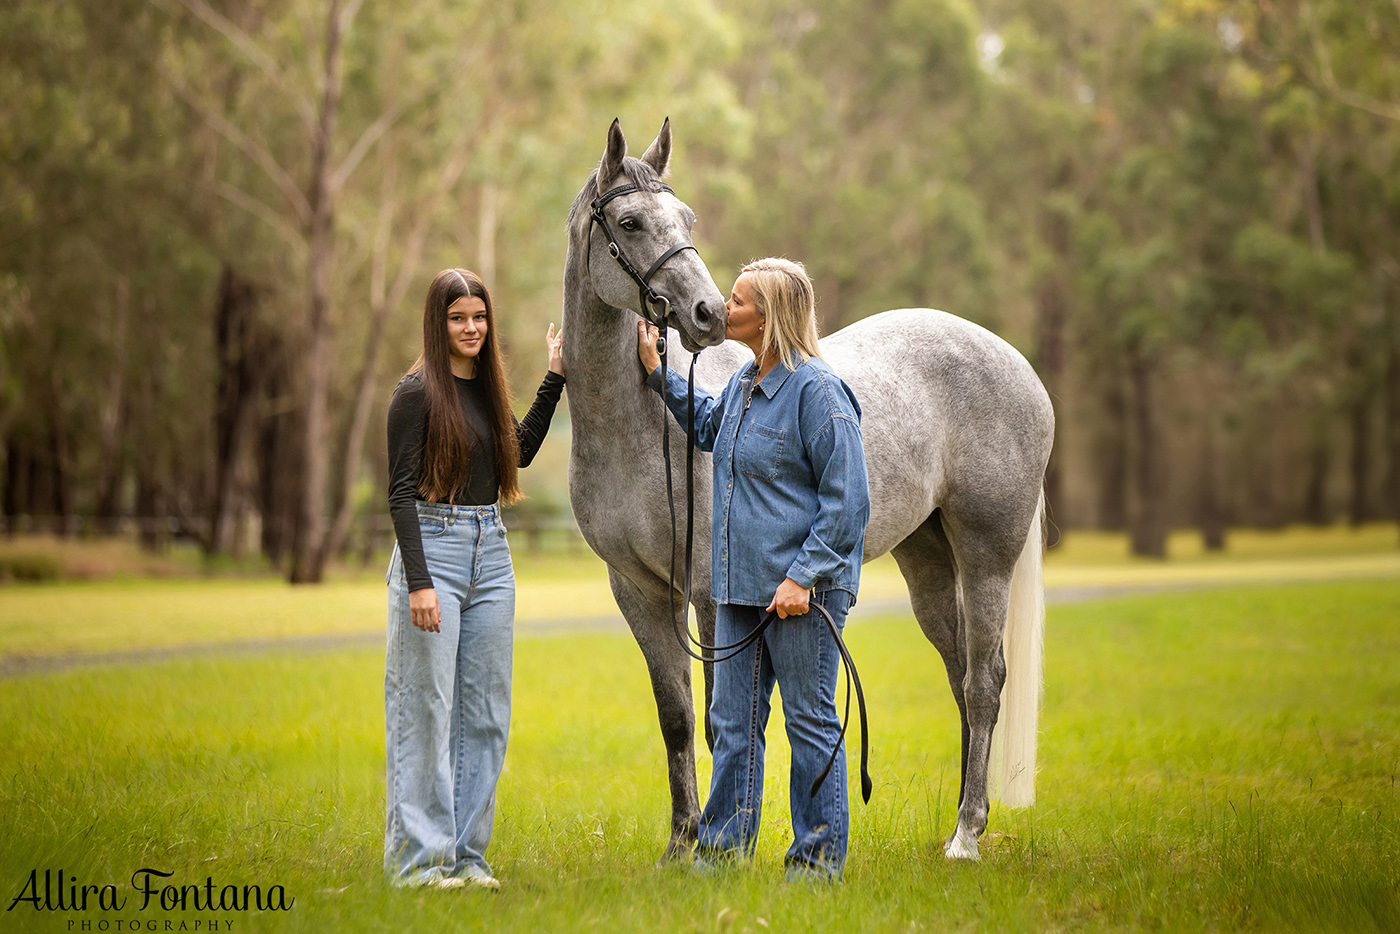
(218, 219)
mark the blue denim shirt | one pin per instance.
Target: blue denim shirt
(791, 498)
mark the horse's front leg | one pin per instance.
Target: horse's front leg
(705, 610)
(646, 609)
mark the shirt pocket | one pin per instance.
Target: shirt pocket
(761, 451)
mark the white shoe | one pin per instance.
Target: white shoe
(483, 881)
(447, 882)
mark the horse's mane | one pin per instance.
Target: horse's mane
(636, 171)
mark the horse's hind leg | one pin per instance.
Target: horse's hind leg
(646, 612)
(986, 562)
(926, 560)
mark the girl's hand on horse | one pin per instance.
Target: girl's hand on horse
(554, 345)
(646, 345)
(423, 607)
(791, 599)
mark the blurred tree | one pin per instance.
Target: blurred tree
(92, 252)
(218, 217)
(858, 165)
(1333, 72)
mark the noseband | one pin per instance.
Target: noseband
(654, 306)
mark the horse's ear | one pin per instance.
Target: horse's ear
(612, 157)
(658, 154)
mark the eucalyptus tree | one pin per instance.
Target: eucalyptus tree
(100, 278)
(305, 102)
(1036, 171)
(1336, 66)
(858, 163)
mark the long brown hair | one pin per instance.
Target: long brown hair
(447, 451)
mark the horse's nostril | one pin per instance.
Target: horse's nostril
(703, 314)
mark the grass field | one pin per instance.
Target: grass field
(1219, 759)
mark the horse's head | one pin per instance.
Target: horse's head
(648, 224)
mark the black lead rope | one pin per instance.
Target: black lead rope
(655, 309)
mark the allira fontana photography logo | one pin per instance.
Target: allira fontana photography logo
(56, 890)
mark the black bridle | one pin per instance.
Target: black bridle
(655, 308)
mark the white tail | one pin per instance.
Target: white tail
(1023, 646)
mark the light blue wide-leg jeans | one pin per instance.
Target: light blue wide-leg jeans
(447, 698)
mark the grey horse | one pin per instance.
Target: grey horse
(957, 431)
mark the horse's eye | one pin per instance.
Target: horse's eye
(630, 223)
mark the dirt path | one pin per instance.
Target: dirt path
(19, 665)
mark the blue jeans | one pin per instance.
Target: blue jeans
(799, 654)
(447, 698)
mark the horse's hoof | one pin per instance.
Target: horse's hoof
(957, 848)
(678, 853)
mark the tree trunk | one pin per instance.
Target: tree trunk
(1315, 510)
(384, 300)
(62, 485)
(16, 480)
(1260, 457)
(1392, 423)
(1052, 310)
(359, 428)
(279, 462)
(1149, 529)
(1360, 460)
(109, 507)
(1113, 457)
(112, 417)
(1312, 202)
(308, 553)
(1052, 293)
(40, 487)
(148, 511)
(1212, 507)
(236, 410)
(355, 443)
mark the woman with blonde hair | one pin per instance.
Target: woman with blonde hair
(454, 450)
(791, 503)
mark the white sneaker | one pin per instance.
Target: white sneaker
(483, 881)
(447, 882)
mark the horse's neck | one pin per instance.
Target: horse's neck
(600, 358)
(606, 394)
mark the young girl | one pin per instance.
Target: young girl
(454, 449)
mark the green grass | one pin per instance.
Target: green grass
(1216, 759)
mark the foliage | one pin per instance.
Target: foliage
(1183, 211)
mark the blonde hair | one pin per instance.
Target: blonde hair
(784, 296)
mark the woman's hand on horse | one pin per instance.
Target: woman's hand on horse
(646, 345)
(554, 345)
(791, 599)
(423, 607)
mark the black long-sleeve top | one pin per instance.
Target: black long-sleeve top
(408, 427)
